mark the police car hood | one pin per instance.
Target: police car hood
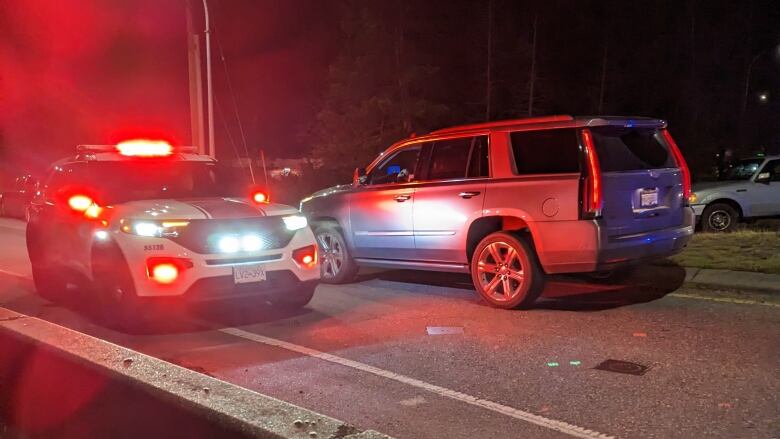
(199, 208)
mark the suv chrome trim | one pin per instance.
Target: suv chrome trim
(420, 265)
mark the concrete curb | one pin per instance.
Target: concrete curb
(737, 280)
(234, 407)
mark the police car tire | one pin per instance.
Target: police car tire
(297, 299)
(49, 282)
(125, 312)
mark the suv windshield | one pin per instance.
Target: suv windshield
(123, 181)
(631, 149)
(742, 170)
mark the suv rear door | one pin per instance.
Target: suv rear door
(642, 184)
(450, 196)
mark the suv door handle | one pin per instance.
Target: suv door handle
(401, 198)
(468, 195)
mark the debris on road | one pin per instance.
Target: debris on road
(411, 402)
(444, 330)
(619, 366)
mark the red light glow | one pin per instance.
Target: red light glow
(165, 270)
(260, 197)
(306, 257)
(164, 273)
(145, 148)
(80, 203)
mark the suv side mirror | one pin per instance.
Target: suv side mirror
(763, 177)
(359, 177)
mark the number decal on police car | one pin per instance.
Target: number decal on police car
(153, 247)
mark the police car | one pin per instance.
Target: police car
(143, 222)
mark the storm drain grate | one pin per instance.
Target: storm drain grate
(620, 366)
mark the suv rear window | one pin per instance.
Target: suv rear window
(546, 151)
(631, 149)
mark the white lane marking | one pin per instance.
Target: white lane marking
(14, 274)
(724, 299)
(552, 424)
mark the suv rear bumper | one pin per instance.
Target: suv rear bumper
(597, 251)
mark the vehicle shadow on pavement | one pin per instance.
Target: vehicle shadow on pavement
(567, 292)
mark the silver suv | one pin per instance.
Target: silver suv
(510, 202)
(749, 189)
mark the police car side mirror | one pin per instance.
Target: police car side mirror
(763, 177)
(359, 177)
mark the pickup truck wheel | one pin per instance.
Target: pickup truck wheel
(719, 217)
(506, 272)
(336, 264)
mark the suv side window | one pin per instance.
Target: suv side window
(399, 168)
(545, 151)
(464, 157)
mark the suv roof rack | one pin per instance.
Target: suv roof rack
(505, 123)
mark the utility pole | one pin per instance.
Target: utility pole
(196, 83)
(488, 78)
(533, 71)
(209, 91)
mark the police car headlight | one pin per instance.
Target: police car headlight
(295, 222)
(152, 228)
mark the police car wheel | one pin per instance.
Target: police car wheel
(118, 304)
(50, 282)
(298, 298)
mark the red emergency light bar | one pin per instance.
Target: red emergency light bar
(138, 148)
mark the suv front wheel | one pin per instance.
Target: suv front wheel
(337, 265)
(506, 272)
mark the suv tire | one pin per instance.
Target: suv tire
(506, 271)
(336, 263)
(719, 217)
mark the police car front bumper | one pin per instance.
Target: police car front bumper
(211, 276)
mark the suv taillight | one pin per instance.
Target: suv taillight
(592, 191)
(681, 163)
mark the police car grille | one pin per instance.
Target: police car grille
(202, 236)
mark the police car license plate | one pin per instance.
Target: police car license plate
(243, 274)
(648, 198)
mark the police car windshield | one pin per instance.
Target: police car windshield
(123, 181)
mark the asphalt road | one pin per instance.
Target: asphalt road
(362, 353)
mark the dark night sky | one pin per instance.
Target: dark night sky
(95, 71)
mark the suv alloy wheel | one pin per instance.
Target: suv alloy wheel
(505, 271)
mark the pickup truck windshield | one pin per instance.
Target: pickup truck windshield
(741, 170)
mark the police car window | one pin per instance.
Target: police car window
(122, 181)
(396, 169)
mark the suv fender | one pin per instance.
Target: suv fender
(512, 219)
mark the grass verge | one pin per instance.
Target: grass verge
(744, 250)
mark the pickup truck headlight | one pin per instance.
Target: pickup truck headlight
(692, 199)
(295, 222)
(152, 227)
